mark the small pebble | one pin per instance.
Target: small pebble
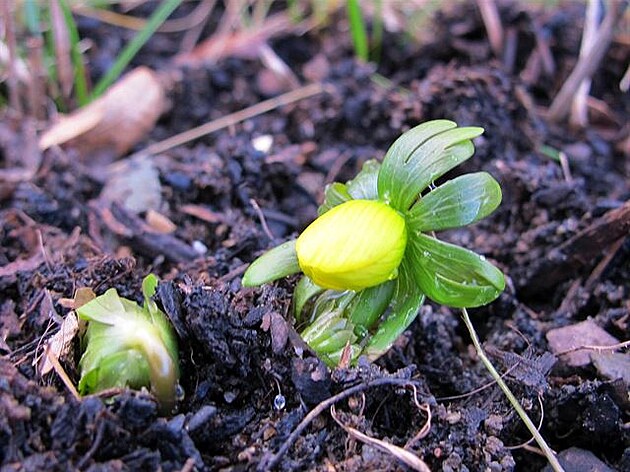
(199, 247)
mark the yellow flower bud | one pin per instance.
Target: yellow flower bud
(355, 245)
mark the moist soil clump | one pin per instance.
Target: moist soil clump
(247, 379)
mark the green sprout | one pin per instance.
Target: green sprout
(371, 257)
(128, 345)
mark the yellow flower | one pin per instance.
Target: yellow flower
(355, 245)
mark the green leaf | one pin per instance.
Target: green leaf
(279, 262)
(334, 342)
(157, 316)
(324, 326)
(452, 275)
(365, 185)
(369, 305)
(406, 301)
(421, 156)
(456, 203)
(120, 369)
(362, 187)
(334, 194)
(304, 291)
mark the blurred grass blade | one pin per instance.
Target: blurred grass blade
(452, 275)
(406, 302)
(80, 82)
(274, 264)
(32, 17)
(377, 30)
(358, 30)
(128, 53)
(456, 203)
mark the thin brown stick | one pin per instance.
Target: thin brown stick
(61, 373)
(598, 349)
(234, 118)
(540, 423)
(193, 33)
(36, 87)
(492, 22)
(269, 461)
(263, 220)
(176, 25)
(406, 457)
(564, 165)
(479, 389)
(427, 425)
(588, 64)
(61, 37)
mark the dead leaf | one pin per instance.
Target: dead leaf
(566, 342)
(60, 343)
(115, 122)
(159, 223)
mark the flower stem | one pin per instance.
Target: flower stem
(551, 457)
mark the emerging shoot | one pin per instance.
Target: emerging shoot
(127, 345)
(371, 257)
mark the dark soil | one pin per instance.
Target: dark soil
(246, 379)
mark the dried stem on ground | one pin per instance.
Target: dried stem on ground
(492, 21)
(234, 118)
(551, 457)
(406, 457)
(269, 461)
(589, 63)
(579, 110)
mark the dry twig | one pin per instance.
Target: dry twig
(492, 22)
(269, 461)
(234, 118)
(589, 63)
(406, 457)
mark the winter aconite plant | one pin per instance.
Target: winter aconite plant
(127, 345)
(371, 257)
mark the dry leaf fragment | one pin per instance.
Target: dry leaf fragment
(115, 122)
(159, 222)
(60, 343)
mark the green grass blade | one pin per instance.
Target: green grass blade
(358, 29)
(80, 82)
(377, 30)
(31, 17)
(128, 53)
